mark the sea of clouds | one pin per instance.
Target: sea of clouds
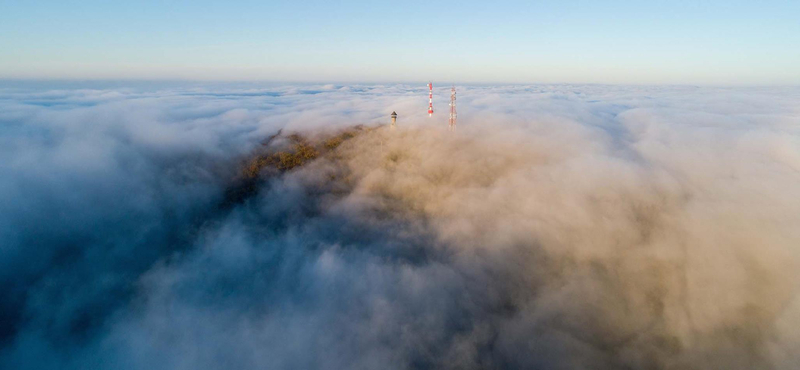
(559, 227)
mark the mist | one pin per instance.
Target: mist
(558, 227)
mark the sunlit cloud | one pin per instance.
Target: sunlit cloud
(559, 227)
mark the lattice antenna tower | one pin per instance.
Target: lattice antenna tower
(453, 114)
(430, 99)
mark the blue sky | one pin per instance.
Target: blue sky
(630, 42)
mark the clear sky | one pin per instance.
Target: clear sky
(671, 42)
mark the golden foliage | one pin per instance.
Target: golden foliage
(302, 151)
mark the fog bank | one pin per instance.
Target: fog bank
(559, 227)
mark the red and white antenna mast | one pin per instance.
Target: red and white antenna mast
(430, 99)
(453, 114)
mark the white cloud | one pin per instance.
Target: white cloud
(559, 227)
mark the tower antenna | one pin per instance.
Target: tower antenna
(453, 114)
(430, 99)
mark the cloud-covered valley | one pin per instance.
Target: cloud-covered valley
(559, 227)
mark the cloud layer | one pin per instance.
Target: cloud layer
(559, 227)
